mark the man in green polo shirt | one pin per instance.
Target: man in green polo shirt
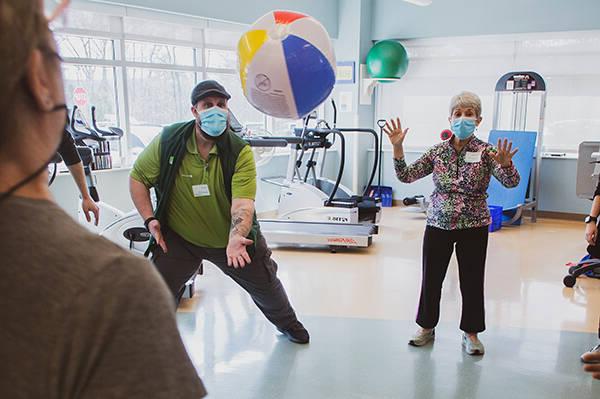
(205, 180)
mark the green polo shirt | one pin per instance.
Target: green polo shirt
(200, 216)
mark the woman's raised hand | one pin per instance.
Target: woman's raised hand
(505, 153)
(393, 129)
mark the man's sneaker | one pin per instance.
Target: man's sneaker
(422, 337)
(472, 346)
(596, 350)
(296, 333)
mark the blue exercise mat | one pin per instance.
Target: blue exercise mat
(511, 198)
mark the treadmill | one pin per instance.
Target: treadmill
(332, 235)
(322, 234)
(369, 208)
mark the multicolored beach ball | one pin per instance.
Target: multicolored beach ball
(286, 64)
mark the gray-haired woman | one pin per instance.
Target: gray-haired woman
(458, 216)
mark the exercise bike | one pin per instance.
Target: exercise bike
(123, 228)
(126, 229)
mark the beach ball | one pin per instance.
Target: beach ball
(286, 64)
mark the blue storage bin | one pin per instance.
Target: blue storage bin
(496, 214)
(383, 192)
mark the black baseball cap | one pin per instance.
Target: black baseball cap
(208, 88)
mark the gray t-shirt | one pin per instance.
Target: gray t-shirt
(80, 317)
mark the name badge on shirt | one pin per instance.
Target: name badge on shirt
(473, 157)
(201, 190)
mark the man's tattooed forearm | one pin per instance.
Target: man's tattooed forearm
(235, 223)
(241, 223)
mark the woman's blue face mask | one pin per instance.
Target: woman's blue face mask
(463, 128)
(213, 121)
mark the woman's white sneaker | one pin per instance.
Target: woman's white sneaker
(422, 337)
(472, 345)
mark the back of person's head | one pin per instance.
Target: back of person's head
(22, 29)
(32, 109)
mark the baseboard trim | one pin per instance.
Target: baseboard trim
(578, 217)
(541, 214)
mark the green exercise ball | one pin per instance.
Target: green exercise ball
(387, 59)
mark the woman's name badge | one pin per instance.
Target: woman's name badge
(473, 157)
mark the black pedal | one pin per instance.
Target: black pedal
(137, 234)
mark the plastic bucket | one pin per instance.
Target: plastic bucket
(496, 214)
(383, 192)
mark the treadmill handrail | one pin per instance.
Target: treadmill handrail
(338, 180)
(290, 140)
(265, 141)
(376, 157)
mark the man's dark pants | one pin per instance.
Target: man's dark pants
(259, 278)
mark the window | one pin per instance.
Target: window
(224, 59)
(222, 37)
(73, 46)
(74, 18)
(95, 85)
(156, 98)
(158, 29)
(139, 67)
(156, 53)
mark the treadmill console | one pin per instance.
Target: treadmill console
(521, 82)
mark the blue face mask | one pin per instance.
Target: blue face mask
(463, 128)
(213, 121)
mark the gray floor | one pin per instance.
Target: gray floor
(355, 358)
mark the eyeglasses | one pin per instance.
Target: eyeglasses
(48, 52)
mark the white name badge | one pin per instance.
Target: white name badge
(473, 157)
(201, 190)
